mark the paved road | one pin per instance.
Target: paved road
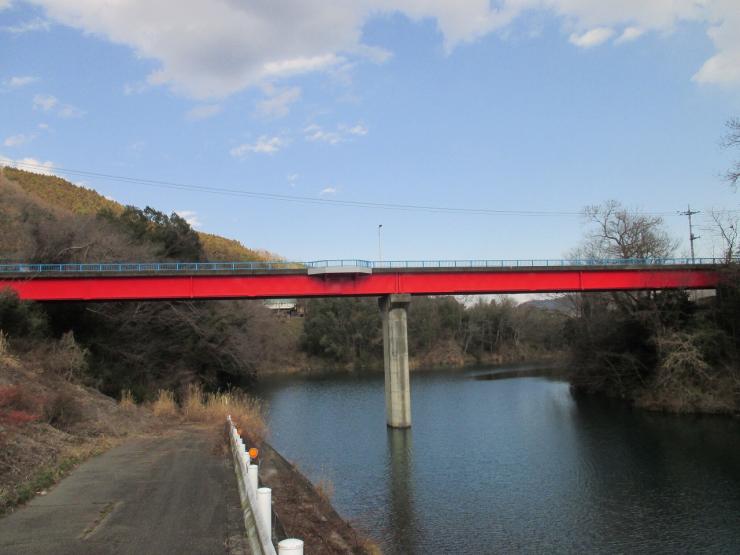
(174, 494)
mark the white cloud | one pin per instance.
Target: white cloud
(724, 67)
(135, 88)
(44, 102)
(594, 37)
(189, 216)
(292, 178)
(48, 102)
(328, 191)
(20, 81)
(43, 126)
(137, 147)
(277, 103)
(18, 140)
(315, 132)
(204, 111)
(29, 164)
(630, 34)
(68, 111)
(358, 129)
(342, 133)
(213, 48)
(37, 24)
(264, 145)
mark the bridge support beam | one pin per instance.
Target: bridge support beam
(396, 360)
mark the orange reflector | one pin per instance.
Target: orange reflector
(253, 452)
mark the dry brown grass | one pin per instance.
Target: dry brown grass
(325, 489)
(127, 401)
(3, 344)
(6, 357)
(197, 406)
(246, 412)
(164, 405)
(193, 405)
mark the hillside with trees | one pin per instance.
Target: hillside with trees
(136, 346)
(61, 194)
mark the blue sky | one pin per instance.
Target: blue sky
(534, 105)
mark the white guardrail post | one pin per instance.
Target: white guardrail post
(254, 477)
(264, 510)
(256, 501)
(291, 546)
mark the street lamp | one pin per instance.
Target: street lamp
(380, 243)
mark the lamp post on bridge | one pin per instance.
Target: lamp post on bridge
(380, 243)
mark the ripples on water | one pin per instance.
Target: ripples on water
(518, 464)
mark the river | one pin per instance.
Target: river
(511, 465)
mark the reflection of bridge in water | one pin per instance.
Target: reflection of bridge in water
(393, 281)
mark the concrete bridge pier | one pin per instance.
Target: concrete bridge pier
(396, 360)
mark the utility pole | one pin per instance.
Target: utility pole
(692, 237)
(380, 243)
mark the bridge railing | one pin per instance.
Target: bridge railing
(267, 266)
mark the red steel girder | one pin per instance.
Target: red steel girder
(263, 286)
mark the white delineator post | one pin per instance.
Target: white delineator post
(253, 477)
(256, 502)
(396, 360)
(264, 510)
(290, 546)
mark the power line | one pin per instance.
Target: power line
(312, 200)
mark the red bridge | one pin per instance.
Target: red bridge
(263, 280)
(393, 282)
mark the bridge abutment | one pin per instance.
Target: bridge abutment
(396, 360)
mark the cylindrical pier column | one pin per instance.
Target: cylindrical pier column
(396, 360)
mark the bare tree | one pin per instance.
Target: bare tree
(727, 229)
(732, 140)
(620, 233)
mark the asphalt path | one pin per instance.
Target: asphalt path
(173, 494)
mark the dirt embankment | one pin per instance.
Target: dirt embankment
(48, 425)
(304, 511)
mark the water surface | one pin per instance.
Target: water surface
(514, 464)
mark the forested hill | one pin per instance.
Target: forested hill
(60, 193)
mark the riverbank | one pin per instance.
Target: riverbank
(304, 510)
(442, 359)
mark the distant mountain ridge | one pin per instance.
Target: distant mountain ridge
(82, 200)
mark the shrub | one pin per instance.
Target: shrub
(21, 318)
(63, 411)
(67, 358)
(18, 406)
(18, 417)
